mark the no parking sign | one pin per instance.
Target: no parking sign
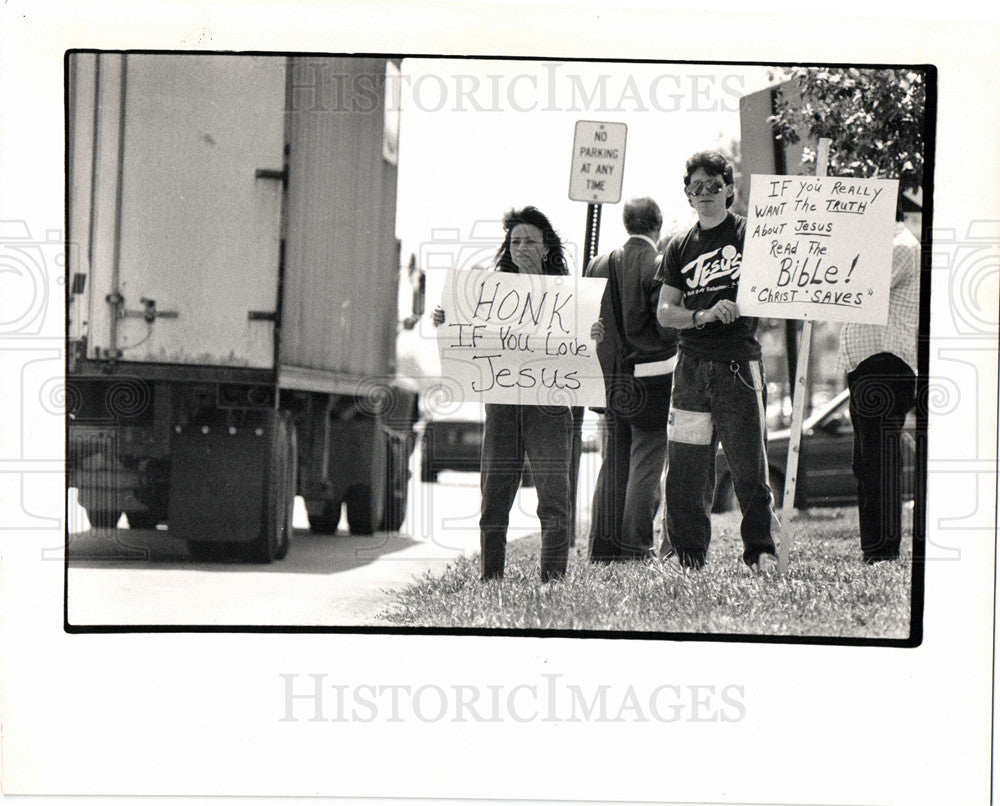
(598, 162)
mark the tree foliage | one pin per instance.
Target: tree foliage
(731, 149)
(874, 118)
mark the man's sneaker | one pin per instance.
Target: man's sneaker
(884, 559)
(671, 564)
(766, 565)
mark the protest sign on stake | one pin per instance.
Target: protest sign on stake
(816, 248)
(521, 338)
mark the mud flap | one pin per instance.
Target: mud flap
(218, 480)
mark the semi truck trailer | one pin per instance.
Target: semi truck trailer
(232, 296)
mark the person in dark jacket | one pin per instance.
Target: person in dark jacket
(627, 494)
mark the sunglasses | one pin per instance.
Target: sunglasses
(714, 187)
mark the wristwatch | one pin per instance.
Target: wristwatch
(694, 320)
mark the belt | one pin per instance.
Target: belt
(655, 367)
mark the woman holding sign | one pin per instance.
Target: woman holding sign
(513, 431)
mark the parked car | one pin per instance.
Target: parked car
(453, 441)
(825, 477)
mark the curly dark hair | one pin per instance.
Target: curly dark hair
(714, 163)
(555, 260)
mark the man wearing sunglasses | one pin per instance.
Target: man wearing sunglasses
(718, 388)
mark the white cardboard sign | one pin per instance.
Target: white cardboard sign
(517, 338)
(818, 248)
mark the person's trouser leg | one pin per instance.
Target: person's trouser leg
(547, 432)
(691, 464)
(499, 478)
(882, 390)
(609, 491)
(642, 498)
(576, 452)
(738, 406)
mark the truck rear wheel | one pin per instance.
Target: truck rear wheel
(395, 512)
(204, 551)
(328, 521)
(273, 540)
(397, 478)
(153, 494)
(359, 510)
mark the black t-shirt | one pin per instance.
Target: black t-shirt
(704, 265)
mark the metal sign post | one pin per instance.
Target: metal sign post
(596, 170)
(592, 235)
(798, 405)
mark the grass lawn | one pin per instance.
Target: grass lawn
(827, 591)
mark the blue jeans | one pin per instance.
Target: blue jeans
(713, 401)
(544, 434)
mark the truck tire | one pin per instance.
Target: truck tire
(103, 518)
(155, 496)
(359, 510)
(273, 540)
(204, 551)
(327, 522)
(395, 513)
(396, 489)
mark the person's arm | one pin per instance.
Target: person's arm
(670, 312)
(635, 279)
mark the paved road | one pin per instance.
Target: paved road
(146, 577)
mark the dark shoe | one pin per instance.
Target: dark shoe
(766, 565)
(872, 559)
(645, 556)
(672, 563)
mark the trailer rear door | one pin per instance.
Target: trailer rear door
(184, 231)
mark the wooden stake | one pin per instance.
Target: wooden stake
(798, 406)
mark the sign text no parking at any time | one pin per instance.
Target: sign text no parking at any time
(598, 162)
